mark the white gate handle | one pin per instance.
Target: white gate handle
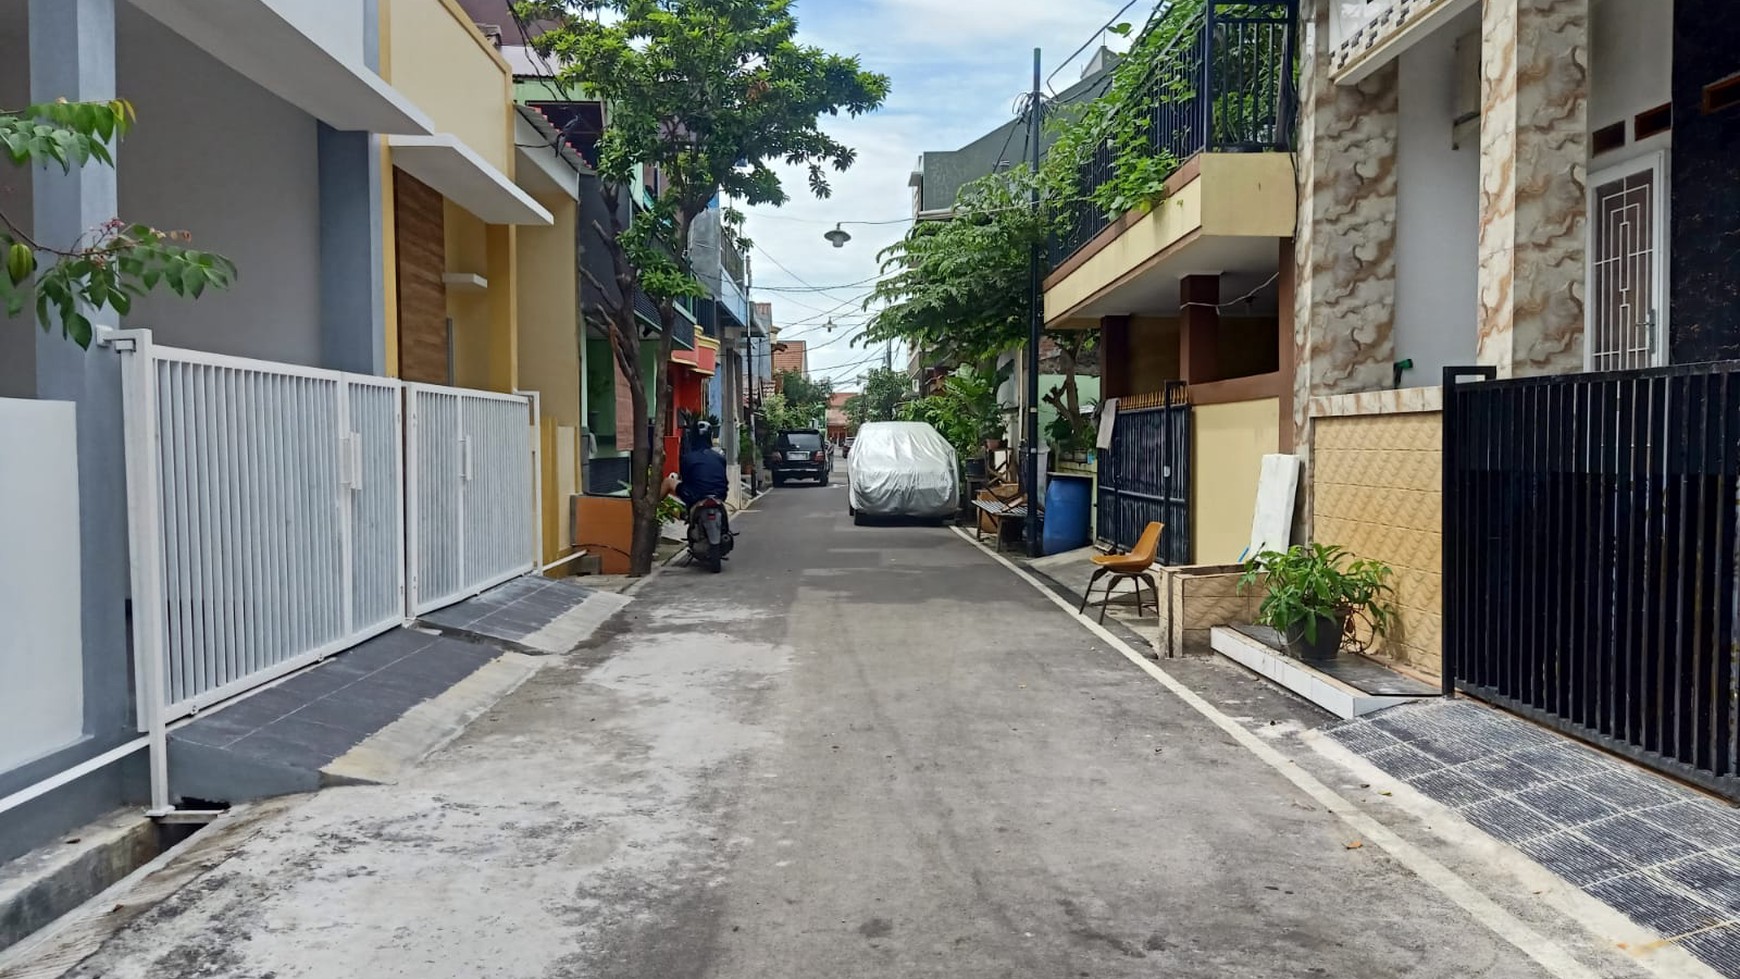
(353, 465)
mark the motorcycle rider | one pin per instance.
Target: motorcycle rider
(701, 470)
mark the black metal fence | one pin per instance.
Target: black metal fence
(1145, 475)
(1226, 85)
(1590, 556)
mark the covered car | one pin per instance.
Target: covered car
(903, 469)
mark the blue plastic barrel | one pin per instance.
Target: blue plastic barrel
(1067, 514)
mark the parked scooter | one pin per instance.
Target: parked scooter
(709, 540)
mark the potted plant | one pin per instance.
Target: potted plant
(1313, 590)
(745, 451)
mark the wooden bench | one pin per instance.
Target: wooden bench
(998, 511)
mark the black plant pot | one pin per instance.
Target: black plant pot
(1326, 646)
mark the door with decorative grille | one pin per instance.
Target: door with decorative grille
(1627, 296)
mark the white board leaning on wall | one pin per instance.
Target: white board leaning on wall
(1277, 494)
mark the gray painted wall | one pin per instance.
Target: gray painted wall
(72, 46)
(352, 270)
(219, 156)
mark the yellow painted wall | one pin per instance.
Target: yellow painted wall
(468, 251)
(549, 358)
(1234, 195)
(1228, 443)
(1248, 194)
(1376, 490)
(504, 306)
(440, 61)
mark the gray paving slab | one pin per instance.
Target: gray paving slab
(1663, 854)
(278, 739)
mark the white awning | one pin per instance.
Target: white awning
(455, 170)
(260, 42)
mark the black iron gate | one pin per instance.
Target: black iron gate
(1590, 556)
(1145, 475)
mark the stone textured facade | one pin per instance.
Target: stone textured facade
(1379, 494)
(1533, 171)
(1345, 250)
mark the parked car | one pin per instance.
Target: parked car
(846, 447)
(800, 454)
(902, 469)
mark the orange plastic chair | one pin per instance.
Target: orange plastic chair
(1132, 566)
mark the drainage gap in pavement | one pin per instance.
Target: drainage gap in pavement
(39, 887)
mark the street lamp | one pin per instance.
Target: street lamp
(838, 237)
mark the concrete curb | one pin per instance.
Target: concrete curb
(387, 755)
(60, 947)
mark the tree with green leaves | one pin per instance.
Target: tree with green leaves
(880, 401)
(959, 289)
(708, 95)
(110, 264)
(807, 399)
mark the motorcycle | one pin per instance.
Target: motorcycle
(709, 541)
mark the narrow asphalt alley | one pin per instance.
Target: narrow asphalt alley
(859, 752)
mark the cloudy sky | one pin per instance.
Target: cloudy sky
(957, 67)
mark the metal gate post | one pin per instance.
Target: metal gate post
(412, 495)
(1450, 557)
(349, 482)
(537, 409)
(145, 551)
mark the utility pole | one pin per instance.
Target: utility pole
(751, 393)
(1035, 324)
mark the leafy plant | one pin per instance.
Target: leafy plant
(1120, 123)
(783, 416)
(745, 446)
(966, 411)
(113, 263)
(809, 397)
(1071, 430)
(1308, 583)
(884, 392)
(671, 510)
(703, 98)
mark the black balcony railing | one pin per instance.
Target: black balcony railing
(1225, 85)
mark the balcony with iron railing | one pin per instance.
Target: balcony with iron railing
(1225, 84)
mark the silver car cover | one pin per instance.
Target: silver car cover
(903, 469)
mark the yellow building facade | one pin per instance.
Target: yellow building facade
(481, 258)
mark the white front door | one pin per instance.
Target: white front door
(1627, 294)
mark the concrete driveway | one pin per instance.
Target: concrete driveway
(859, 752)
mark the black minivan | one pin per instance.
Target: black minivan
(800, 454)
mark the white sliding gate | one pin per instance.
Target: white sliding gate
(471, 460)
(270, 522)
(265, 516)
